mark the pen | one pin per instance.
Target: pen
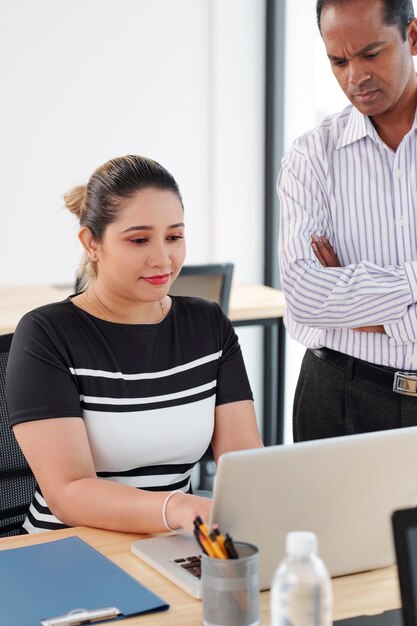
(220, 538)
(217, 549)
(198, 536)
(230, 547)
(82, 616)
(206, 545)
(202, 527)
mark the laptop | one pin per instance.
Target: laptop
(404, 527)
(345, 489)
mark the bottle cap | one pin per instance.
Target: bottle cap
(301, 543)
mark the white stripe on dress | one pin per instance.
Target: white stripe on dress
(148, 400)
(81, 371)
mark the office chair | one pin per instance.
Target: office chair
(17, 483)
(212, 281)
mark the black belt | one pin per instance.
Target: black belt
(399, 381)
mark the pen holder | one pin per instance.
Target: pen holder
(230, 588)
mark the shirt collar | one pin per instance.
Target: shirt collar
(359, 126)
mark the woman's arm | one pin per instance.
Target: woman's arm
(59, 454)
(235, 428)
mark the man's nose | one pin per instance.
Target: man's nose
(358, 75)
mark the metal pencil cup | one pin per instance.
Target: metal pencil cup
(230, 588)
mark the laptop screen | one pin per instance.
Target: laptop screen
(404, 523)
(404, 526)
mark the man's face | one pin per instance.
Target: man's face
(371, 62)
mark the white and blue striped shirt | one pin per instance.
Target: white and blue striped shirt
(340, 180)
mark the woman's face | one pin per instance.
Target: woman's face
(142, 252)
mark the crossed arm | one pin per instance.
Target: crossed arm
(322, 293)
(328, 258)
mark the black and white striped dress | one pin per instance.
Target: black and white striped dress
(147, 393)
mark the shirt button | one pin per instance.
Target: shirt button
(400, 173)
(402, 221)
(403, 337)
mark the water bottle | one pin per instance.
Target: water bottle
(301, 590)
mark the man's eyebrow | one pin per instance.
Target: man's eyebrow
(367, 48)
(145, 227)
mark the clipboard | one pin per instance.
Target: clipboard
(52, 579)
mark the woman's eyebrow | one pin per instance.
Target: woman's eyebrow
(144, 227)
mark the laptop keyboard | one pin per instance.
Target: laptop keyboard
(190, 563)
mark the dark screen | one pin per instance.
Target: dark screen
(412, 555)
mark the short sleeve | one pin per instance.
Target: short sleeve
(39, 383)
(232, 381)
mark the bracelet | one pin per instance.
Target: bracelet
(164, 509)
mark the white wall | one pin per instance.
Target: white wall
(311, 92)
(236, 184)
(86, 80)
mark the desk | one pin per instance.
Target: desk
(353, 595)
(252, 305)
(249, 305)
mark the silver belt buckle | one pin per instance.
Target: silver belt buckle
(405, 383)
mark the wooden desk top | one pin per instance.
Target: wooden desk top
(370, 592)
(247, 302)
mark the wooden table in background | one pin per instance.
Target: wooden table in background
(358, 594)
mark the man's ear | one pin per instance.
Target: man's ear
(412, 36)
(89, 244)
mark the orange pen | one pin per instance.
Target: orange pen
(220, 539)
(218, 550)
(201, 526)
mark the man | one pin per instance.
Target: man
(348, 237)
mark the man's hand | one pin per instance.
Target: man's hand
(327, 257)
(324, 251)
(370, 329)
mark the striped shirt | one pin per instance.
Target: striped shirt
(147, 393)
(340, 180)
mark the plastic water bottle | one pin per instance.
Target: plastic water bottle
(301, 590)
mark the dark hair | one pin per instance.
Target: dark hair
(97, 204)
(396, 12)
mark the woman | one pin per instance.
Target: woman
(115, 393)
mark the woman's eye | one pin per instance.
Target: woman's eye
(175, 237)
(139, 241)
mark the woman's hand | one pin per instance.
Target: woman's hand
(182, 509)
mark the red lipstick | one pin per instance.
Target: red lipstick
(160, 279)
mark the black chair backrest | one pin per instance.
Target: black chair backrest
(17, 483)
(212, 281)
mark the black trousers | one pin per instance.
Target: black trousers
(332, 400)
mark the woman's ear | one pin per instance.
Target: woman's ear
(89, 244)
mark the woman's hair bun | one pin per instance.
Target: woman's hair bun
(75, 200)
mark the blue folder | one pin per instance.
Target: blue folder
(51, 579)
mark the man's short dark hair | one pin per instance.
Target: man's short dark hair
(397, 12)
